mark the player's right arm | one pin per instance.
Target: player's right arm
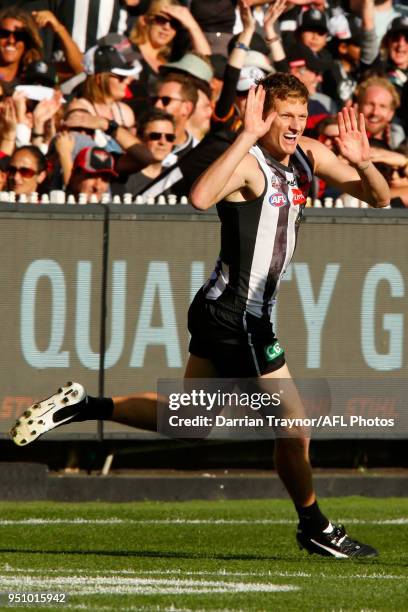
(235, 174)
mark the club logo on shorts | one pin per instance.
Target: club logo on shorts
(298, 197)
(278, 199)
(273, 351)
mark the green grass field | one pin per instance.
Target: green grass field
(224, 555)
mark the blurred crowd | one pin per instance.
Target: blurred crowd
(104, 98)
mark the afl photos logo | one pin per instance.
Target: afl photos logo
(278, 199)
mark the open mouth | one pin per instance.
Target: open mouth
(290, 138)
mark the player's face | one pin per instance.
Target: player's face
(288, 126)
(376, 107)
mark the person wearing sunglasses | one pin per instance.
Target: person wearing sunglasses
(20, 43)
(27, 171)
(393, 165)
(156, 132)
(178, 96)
(157, 34)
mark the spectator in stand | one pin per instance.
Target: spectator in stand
(395, 43)
(92, 174)
(154, 35)
(156, 131)
(378, 100)
(104, 90)
(199, 67)
(87, 20)
(313, 34)
(4, 166)
(393, 165)
(47, 20)
(326, 131)
(8, 126)
(20, 43)
(384, 13)
(392, 61)
(304, 65)
(37, 109)
(200, 121)
(217, 18)
(177, 95)
(224, 123)
(219, 63)
(27, 171)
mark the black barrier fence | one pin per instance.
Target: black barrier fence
(100, 295)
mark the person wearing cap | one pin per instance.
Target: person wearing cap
(340, 80)
(226, 117)
(313, 34)
(199, 68)
(104, 90)
(92, 173)
(393, 56)
(304, 65)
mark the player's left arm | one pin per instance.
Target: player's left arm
(359, 177)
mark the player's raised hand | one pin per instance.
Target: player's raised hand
(352, 140)
(254, 121)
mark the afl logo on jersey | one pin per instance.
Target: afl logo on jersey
(298, 197)
(278, 199)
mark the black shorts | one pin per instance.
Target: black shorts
(239, 344)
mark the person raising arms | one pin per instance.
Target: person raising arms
(260, 185)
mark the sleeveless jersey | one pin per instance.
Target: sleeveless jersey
(258, 237)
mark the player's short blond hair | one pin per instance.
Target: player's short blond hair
(283, 86)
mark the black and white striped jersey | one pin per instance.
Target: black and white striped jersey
(86, 20)
(258, 237)
(89, 20)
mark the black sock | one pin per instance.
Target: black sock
(95, 408)
(311, 518)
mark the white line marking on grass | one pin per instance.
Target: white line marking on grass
(155, 608)
(181, 522)
(143, 586)
(224, 573)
